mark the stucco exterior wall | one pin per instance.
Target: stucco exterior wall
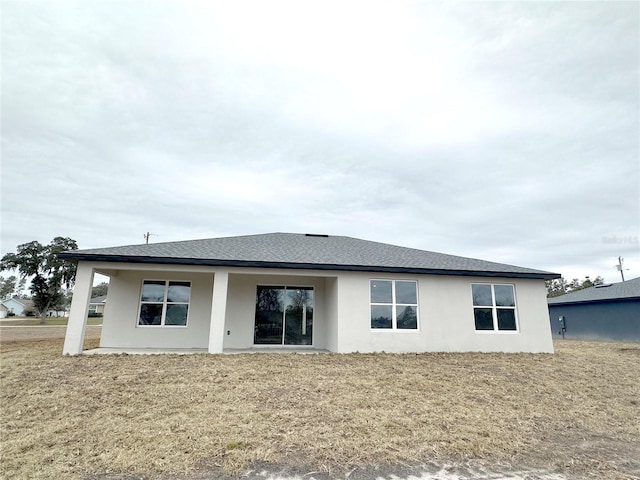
(609, 321)
(120, 322)
(445, 317)
(120, 328)
(331, 318)
(341, 311)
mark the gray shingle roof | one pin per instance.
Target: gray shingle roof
(291, 250)
(616, 291)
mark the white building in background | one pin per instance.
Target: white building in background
(17, 306)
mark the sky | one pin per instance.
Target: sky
(506, 131)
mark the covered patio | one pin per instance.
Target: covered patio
(225, 310)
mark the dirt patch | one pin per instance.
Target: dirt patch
(470, 470)
(572, 414)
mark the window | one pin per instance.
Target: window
(164, 303)
(494, 307)
(394, 304)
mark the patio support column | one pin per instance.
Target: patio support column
(74, 339)
(218, 311)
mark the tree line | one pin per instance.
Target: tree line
(560, 286)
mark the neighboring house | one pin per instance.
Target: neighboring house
(3, 311)
(97, 304)
(603, 312)
(17, 306)
(320, 292)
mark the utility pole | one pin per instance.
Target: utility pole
(619, 267)
(146, 237)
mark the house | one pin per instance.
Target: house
(3, 311)
(603, 312)
(307, 291)
(18, 306)
(97, 304)
(21, 307)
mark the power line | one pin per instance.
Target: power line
(147, 235)
(619, 267)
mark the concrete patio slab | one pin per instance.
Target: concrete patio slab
(297, 349)
(190, 351)
(143, 351)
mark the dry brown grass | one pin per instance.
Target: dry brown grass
(30, 321)
(64, 417)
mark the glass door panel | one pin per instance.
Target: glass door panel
(269, 316)
(299, 316)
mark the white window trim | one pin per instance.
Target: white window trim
(394, 328)
(494, 312)
(164, 303)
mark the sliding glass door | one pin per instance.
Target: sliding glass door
(284, 316)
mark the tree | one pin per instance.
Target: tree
(50, 274)
(556, 287)
(21, 286)
(8, 286)
(99, 290)
(560, 286)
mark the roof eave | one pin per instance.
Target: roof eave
(599, 300)
(296, 266)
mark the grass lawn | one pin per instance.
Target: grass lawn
(30, 321)
(575, 412)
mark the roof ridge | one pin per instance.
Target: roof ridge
(183, 241)
(300, 250)
(460, 257)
